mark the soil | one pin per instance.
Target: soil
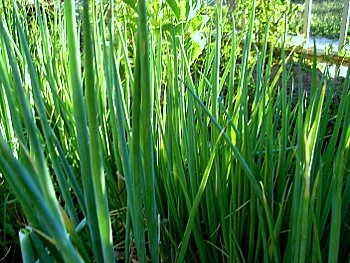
(294, 71)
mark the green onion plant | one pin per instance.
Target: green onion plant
(128, 133)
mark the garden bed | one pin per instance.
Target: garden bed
(153, 139)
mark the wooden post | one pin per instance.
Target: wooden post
(344, 24)
(343, 32)
(307, 20)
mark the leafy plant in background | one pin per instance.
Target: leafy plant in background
(136, 154)
(326, 18)
(281, 15)
(188, 19)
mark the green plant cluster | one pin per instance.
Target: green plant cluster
(281, 17)
(326, 17)
(118, 146)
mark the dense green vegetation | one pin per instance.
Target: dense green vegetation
(145, 130)
(326, 17)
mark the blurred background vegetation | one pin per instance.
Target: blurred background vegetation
(326, 17)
